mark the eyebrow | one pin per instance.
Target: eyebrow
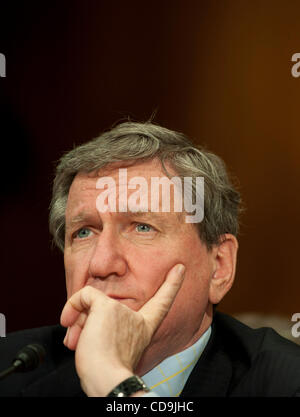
(153, 214)
(79, 218)
(84, 217)
(145, 214)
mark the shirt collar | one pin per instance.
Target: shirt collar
(169, 377)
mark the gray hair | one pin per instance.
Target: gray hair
(132, 141)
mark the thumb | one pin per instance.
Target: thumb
(158, 306)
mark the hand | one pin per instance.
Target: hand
(110, 338)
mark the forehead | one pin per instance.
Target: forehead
(84, 182)
(147, 169)
(84, 192)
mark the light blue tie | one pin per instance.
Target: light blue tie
(169, 377)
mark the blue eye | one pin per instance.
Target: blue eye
(82, 233)
(142, 227)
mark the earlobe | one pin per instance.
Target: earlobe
(224, 268)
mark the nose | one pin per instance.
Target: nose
(108, 257)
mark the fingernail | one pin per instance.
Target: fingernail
(181, 269)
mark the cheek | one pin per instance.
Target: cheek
(193, 293)
(149, 276)
(76, 273)
(187, 310)
(150, 269)
(192, 297)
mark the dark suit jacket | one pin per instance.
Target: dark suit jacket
(237, 361)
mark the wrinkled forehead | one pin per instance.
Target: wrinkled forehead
(133, 180)
(146, 168)
(139, 187)
(122, 173)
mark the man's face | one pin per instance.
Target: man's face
(128, 255)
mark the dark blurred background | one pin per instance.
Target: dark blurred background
(219, 71)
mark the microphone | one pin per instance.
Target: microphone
(27, 359)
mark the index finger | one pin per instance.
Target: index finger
(158, 306)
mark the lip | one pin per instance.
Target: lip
(114, 296)
(117, 297)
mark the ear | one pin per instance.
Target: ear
(224, 255)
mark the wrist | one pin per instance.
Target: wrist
(138, 394)
(133, 386)
(105, 383)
